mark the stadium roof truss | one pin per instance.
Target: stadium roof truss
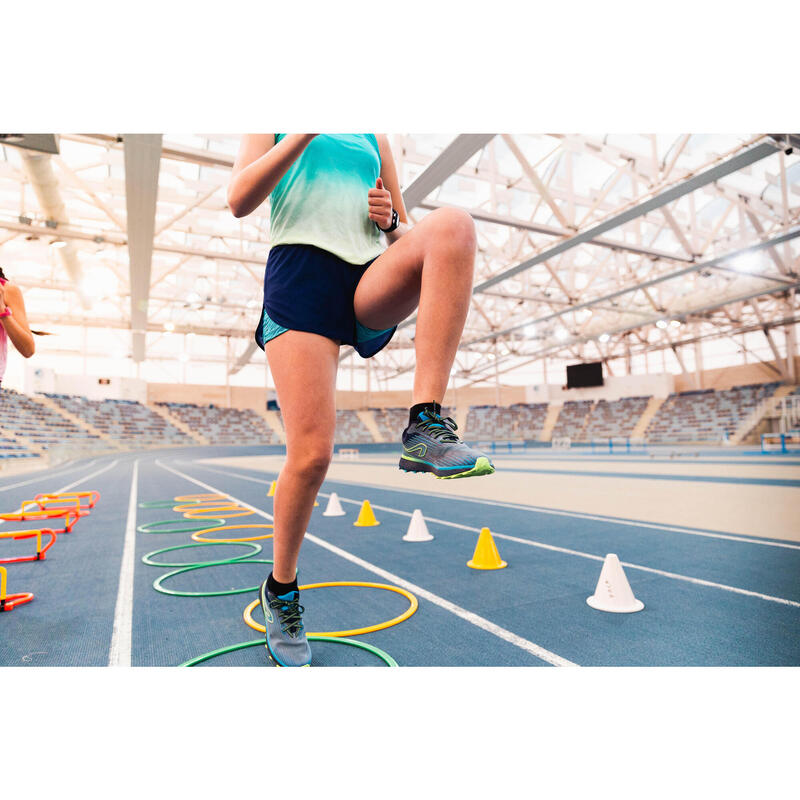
(590, 246)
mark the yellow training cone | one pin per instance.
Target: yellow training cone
(366, 517)
(486, 555)
(271, 492)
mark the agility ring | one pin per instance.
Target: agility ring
(157, 504)
(148, 527)
(381, 654)
(199, 509)
(148, 557)
(199, 498)
(10, 601)
(198, 535)
(157, 583)
(40, 551)
(412, 607)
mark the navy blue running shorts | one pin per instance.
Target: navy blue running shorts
(312, 290)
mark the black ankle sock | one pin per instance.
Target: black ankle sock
(432, 408)
(281, 588)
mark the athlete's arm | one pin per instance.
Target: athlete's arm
(388, 195)
(259, 166)
(16, 325)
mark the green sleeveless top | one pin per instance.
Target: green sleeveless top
(322, 198)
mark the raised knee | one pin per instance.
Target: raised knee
(456, 226)
(312, 464)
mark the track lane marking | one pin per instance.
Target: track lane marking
(568, 551)
(469, 616)
(543, 510)
(119, 654)
(46, 476)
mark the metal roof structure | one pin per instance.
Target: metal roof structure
(604, 247)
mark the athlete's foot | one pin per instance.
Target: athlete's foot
(286, 639)
(430, 444)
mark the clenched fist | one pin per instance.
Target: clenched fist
(380, 205)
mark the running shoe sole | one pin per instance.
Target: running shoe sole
(481, 467)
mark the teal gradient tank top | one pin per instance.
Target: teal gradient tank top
(322, 198)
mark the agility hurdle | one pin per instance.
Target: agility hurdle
(40, 551)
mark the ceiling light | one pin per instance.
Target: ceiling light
(562, 334)
(604, 337)
(529, 330)
(58, 243)
(169, 327)
(662, 323)
(674, 323)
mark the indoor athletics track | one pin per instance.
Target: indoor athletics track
(724, 592)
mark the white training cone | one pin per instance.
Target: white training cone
(334, 508)
(613, 592)
(417, 529)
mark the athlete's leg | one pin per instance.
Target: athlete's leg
(304, 368)
(432, 267)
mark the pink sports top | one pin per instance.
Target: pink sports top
(3, 343)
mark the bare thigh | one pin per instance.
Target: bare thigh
(304, 368)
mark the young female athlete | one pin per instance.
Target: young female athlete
(328, 282)
(13, 323)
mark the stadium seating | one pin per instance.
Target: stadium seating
(350, 429)
(705, 416)
(495, 423)
(615, 418)
(124, 421)
(529, 419)
(572, 420)
(36, 423)
(224, 425)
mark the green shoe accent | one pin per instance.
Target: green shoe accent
(482, 467)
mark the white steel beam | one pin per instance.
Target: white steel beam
(460, 150)
(142, 162)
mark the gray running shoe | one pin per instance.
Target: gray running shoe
(286, 641)
(430, 444)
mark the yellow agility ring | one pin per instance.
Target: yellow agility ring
(412, 607)
(198, 535)
(213, 513)
(199, 498)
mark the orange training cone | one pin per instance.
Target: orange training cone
(613, 592)
(271, 492)
(486, 555)
(366, 516)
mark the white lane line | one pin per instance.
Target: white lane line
(87, 477)
(79, 481)
(47, 476)
(480, 622)
(580, 554)
(541, 510)
(119, 654)
(567, 551)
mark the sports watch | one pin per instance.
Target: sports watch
(393, 226)
(7, 312)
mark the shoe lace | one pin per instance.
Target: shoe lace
(442, 428)
(290, 614)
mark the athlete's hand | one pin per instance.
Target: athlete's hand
(380, 205)
(2, 298)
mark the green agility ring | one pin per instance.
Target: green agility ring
(157, 504)
(382, 655)
(159, 588)
(148, 557)
(148, 527)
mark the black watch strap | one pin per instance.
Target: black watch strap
(393, 226)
